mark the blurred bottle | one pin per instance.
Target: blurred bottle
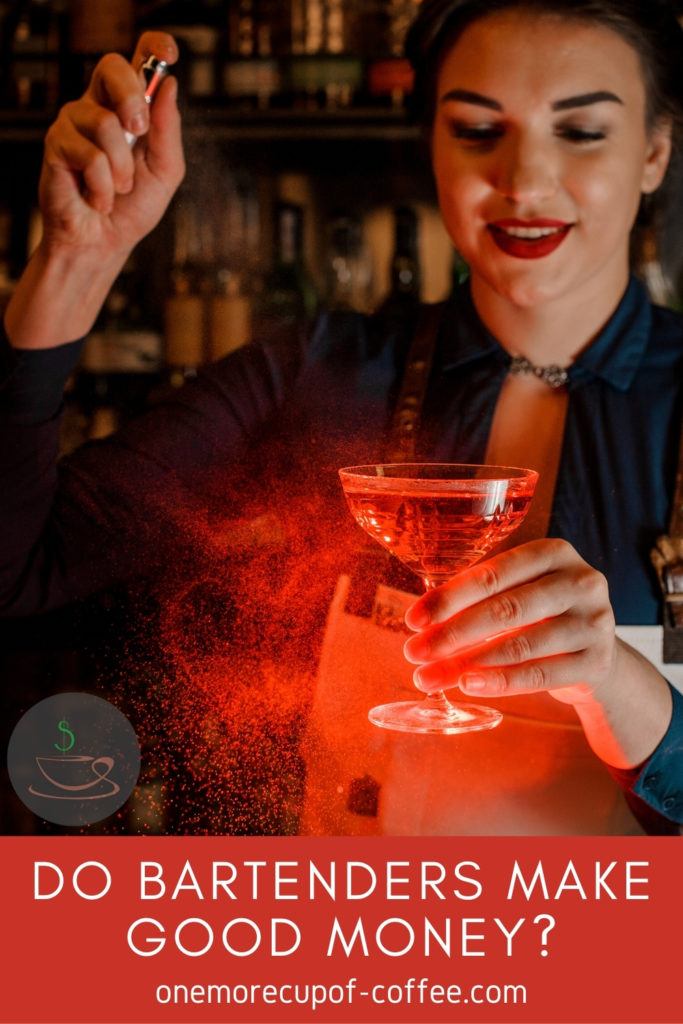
(120, 363)
(289, 297)
(184, 306)
(96, 28)
(32, 35)
(251, 75)
(405, 273)
(348, 267)
(649, 267)
(325, 70)
(124, 338)
(230, 314)
(390, 76)
(237, 269)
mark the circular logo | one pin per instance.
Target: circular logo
(73, 759)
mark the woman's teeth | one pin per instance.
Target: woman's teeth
(531, 233)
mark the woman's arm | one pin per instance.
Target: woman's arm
(138, 502)
(98, 197)
(118, 508)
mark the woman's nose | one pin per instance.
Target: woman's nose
(526, 172)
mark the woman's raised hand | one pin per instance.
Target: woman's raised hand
(98, 193)
(537, 617)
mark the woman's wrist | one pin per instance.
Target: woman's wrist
(629, 714)
(60, 293)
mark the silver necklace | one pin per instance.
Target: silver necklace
(554, 376)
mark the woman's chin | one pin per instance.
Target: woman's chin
(526, 290)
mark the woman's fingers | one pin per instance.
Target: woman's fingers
(66, 149)
(155, 44)
(498, 574)
(119, 86)
(534, 618)
(88, 140)
(545, 598)
(558, 672)
(550, 639)
(164, 144)
(103, 128)
(115, 85)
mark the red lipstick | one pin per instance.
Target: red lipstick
(529, 248)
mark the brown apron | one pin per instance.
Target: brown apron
(533, 775)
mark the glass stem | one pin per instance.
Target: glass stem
(437, 701)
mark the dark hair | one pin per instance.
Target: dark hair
(649, 26)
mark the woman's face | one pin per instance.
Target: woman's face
(541, 153)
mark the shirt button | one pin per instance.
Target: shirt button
(669, 803)
(651, 781)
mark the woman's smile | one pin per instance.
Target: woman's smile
(529, 240)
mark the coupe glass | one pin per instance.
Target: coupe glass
(438, 519)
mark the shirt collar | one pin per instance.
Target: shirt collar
(614, 355)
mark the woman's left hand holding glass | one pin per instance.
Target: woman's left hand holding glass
(538, 617)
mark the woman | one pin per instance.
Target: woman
(548, 124)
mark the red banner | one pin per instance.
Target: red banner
(341, 930)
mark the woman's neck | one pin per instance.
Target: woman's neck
(554, 332)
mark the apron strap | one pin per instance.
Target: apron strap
(676, 524)
(372, 562)
(405, 423)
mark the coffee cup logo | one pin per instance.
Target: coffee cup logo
(96, 765)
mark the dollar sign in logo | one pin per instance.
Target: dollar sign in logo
(64, 727)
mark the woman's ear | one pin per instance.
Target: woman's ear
(658, 156)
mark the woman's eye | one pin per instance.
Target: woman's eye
(476, 133)
(581, 134)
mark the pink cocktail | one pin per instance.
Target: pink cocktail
(438, 519)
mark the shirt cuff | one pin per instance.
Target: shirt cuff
(660, 781)
(32, 380)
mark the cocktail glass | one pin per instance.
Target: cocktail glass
(438, 519)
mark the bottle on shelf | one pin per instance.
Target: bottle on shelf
(405, 271)
(120, 362)
(660, 287)
(31, 78)
(184, 320)
(389, 75)
(96, 28)
(324, 70)
(229, 314)
(236, 269)
(251, 76)
(348, 266)
(288, 298)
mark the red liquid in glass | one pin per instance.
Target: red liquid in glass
(435, 533)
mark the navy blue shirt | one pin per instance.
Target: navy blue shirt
(308, 408)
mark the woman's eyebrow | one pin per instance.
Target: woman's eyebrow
(584, 100)
(465, 96)
(587, 99)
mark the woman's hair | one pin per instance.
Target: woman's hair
(649, 26)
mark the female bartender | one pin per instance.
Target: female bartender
(549, 123)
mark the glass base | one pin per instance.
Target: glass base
(445, 719)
